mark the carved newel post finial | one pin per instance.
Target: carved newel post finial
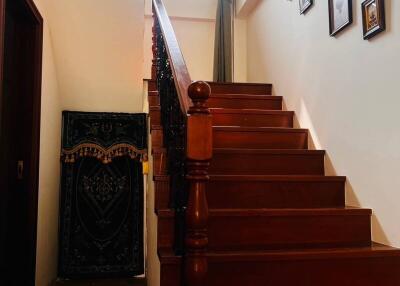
(199, 92)
(199, 153)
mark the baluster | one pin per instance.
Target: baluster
(199, 154)
(154, 50)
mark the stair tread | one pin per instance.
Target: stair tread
(260, 129)
(155, 108)
(276, 178)
(250, 111)
(348, 210)
(374, 250)
(239, 83)
(268, 151)
(246, 96)
(291, 212)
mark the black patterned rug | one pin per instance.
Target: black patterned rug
(101, 215)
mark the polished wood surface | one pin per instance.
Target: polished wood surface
(267, 229)
(245, 101)
(102, 282)
(199, 154)
(21, 42)
(275, 209)
(252, 117)
(265, 214)
(192, 155)
(260, 138)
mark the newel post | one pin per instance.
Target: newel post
(199, 154)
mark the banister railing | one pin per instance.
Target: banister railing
(178, 66)
(187, 130)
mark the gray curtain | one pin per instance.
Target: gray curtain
(223, 50)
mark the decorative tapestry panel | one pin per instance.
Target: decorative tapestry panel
(101, 219)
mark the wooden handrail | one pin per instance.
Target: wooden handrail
(178, 65)
(188, 140)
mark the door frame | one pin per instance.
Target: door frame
(33, 181)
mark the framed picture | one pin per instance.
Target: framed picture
(305, 5)
(340, 15)
(373, 14)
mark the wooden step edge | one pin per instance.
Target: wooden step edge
(278, 178)
(166, 213)
(158, 150)
(155, 108)
(260, 129)
(161, 178)
(156, 127)
(347, 211)
(167, 256)
(268, 151)
(246, 96)
(374, 250)
(239, 83)
(250, 111)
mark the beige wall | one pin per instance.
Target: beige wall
(345, 90)
(47, 246)
(97, 66)
(98, 48)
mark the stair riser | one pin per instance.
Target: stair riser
(267, 104)
(155, 116)
(344, 272)
(165, 232)
(257, 195)
(375, 271)
(157, 138)
(287, 232)
(159, 162)
(253, 120)
(162, 194)
(267, 164)
(253, 232)
(154, 100)
(170, 274)
(253, 194)
(260, 140)
(258, 89)
(152, 86)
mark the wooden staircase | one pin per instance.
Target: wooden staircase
(275, 218)
(262, 212)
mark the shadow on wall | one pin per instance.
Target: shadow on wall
(351, 197)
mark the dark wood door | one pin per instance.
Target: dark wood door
(21, 28)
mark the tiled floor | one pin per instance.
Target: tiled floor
(103, 282)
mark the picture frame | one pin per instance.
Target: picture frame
(305, 5)
(340, 15)
(373, 15)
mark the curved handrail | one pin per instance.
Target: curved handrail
(178, 65)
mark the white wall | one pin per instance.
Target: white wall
(98, 48)
(345, 90)
(245, 7)
(49, 174)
